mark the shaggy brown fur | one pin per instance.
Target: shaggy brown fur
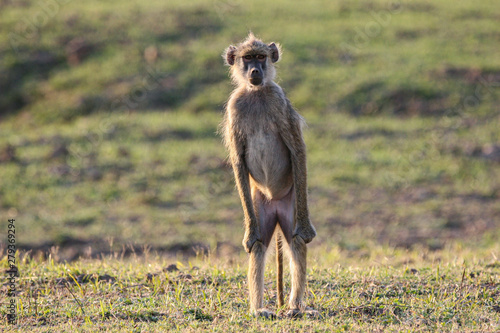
(263, 134)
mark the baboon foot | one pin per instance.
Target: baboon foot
(311, 313)
(297, 313)
(265, 313)
(294, 313)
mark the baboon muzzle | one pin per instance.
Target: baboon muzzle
(256, 76)
(256, 81)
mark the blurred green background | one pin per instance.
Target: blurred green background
(109, 111)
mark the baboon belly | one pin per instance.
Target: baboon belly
(268, 160)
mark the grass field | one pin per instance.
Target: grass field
(385, 289)
(111, 165)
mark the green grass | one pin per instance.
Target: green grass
(364, 58)
(161, 179)
(385, 289)
(111, 153)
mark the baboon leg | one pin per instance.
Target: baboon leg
(256, 276)
(298, 250)
(285, 210)
(298, 266)
(267, 220)
(266, 214)
(256, 281)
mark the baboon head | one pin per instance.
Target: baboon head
(252, 62)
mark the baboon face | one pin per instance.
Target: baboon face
(252, 61)
(254, 66)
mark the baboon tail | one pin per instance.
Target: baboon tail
(279, 266)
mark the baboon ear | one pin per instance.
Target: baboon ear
(229, 55)
(275, 52)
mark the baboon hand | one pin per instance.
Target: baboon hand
(306, 231)
(249, 240)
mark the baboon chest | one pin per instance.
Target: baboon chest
(268, 158)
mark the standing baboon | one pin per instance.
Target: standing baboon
(263, 134)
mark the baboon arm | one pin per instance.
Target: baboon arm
(243, 184)
(299, 170)
(241, 175)
(292, 135)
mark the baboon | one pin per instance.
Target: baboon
(263, 134)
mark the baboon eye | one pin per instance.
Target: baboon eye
(248, 57)
(261, 57)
